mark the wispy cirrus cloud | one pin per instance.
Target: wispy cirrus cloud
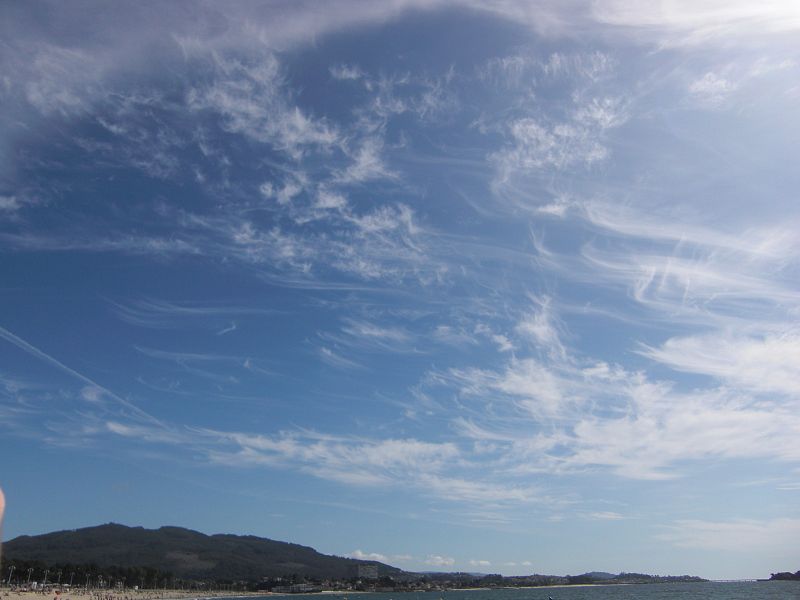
(535, 144)
(484, 222)
(541, 327)
(346, 460)
(479, 563)
(187, 356)
(437, 560)
(711, 90)
(361, 555)
(605, 516)
(761, 364)
(542, 138)
(778, 535)
(249, 96)
(337, 360)
(639, 429)
(135, 245)
(364, 332)
(366, 164)
(9, 204)
(163, 314)
(425, 466)
(562, 412)
(527, 70)
(687, 273)
(526, 384)
(59, 80)
(685, 23)
(721, 282)
(346, 72)
(775, 243)
(454, 336)
(49, 80)
(221, 369)
(483, 492)
(98, 391)
(244, 91)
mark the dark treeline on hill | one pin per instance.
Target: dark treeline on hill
(785, 576)
(115, 555)
(183, 553)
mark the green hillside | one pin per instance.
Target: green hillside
(184, 553)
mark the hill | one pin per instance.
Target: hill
(785, 576)
(184, 553)
(159, 555)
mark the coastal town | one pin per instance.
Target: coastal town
(368, 579)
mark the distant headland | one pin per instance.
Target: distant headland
(785, 576)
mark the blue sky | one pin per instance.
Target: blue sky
(485, 286)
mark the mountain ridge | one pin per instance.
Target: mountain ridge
(185, 553)
(142, 554)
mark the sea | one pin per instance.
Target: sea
(750, 590)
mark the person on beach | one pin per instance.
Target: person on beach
(2, 510)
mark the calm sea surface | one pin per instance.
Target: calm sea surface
(768, 590)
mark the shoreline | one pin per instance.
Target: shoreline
(9, 594)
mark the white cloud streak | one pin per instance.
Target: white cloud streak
(360, 555)
(437, 560)
(781, 535)
(686, 23)
(761, 365)
(162, 314)
(96, 389)
(249, 96)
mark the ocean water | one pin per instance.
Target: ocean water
(761, 590)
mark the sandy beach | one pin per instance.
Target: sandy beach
(126, 595)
